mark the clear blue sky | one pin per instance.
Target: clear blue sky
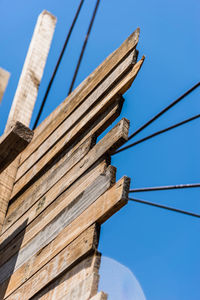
(161, 248)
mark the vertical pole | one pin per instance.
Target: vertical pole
(25, 96)
(4, 77)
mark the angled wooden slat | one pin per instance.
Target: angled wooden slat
(61, 285)
(80, 93)
(104, 207)
(99, 125)
(54, 219)
(13, 142)
(113, 139)
(121, 87)
(26, 95)
(84, 109)
(4, 78)
(84, 244)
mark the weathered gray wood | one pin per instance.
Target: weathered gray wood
(13, 142)
(61, 285)
(79, 113)
(83, 245)
(4, 77)
(47, 228)
(113, 139)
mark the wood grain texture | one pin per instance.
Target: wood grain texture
(13, 142)
(65, 109)
(94, 101)
(76, 189)
(64, 283)
(104, 207)
(86, 243)
(4, 78)
(53, 220)
(113, 139)
(82, 125)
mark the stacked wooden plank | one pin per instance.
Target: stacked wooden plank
(65, 189)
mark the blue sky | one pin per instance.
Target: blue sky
(160, 248)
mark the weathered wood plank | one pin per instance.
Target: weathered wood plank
(84, 244)
(85, 108)
(80, 93)
(13, 142)
(99, 125)
(105, 206)
(4, 78)
(26, 95)
(59, 287)
(113, 139)
(32, 72)
(53, 220)
(122, 86)
(100, 296)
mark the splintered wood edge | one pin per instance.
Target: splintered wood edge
(13, 142)
(100, 296)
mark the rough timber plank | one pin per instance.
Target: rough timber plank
(113, 139)
(13, 142)
(85, 108)
(104, 207)
(121, 87)
(60, 287)
(54, 219)
(4, 77)
(99, 125)
(100, 296)
(26, 95)
(32, 72)
(80, 93)
(84, 244)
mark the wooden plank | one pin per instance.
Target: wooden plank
(53, 220)
(113, 139)
(99, 125)
(4, 78)
(84, 244)
(13, 142)
(27, 89)
(60, 286)
(100, 296)
(80, 93)
(77, 115)
(26, 95)
(80, 126)
(98, 212)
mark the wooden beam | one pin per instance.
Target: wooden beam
(4, 78)
(84, 244)
(25, 96)
(98, 212)
(82, 125)
(113, 139)
(13, 142)
(65, 109)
